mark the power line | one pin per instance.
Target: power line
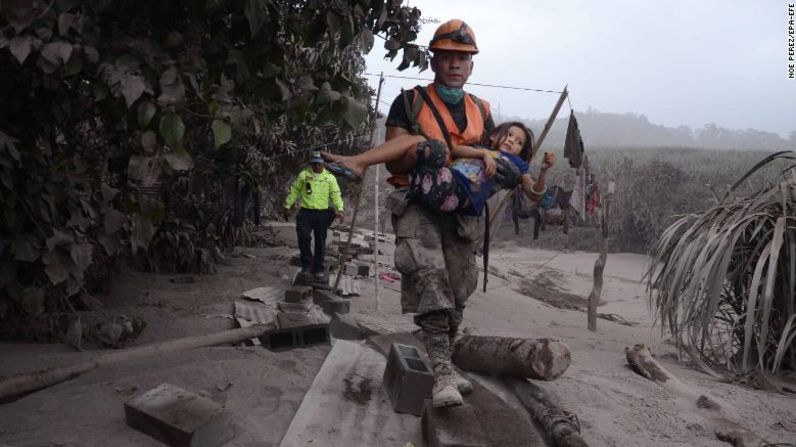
(508, 87)
(312, 148)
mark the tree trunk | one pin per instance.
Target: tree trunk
(597, 288)
(25, 383)
(560, 425)
(541, 359)
(599, 265)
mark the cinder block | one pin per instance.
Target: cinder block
(451, 426)
(408, 379)
(298, 294)
(351, 269)
(280, 339)
(320, 296)
(313, 335)
(336, 305)
(301, 279)
(345, 327)
(288, 320)
(360, 250)
(303, 307)
(178, 417)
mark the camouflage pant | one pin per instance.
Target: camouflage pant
(435, 253)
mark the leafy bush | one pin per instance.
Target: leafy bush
(128, 127)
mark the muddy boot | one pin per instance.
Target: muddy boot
(445, 392)
(464, 386)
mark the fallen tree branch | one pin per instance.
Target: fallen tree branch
(25, 383)
(560, 425)
(728, 428)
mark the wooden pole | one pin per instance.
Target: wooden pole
(25, 383)
(341, 263)
(376, 219)
(497, 214)
(599, 265)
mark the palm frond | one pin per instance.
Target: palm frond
(723, 282)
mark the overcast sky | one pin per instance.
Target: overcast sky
(677, 62)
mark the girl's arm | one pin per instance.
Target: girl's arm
(535, 190)
(476, 152)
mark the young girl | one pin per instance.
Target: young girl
(466, 183)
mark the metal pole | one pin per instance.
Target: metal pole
(341, 263)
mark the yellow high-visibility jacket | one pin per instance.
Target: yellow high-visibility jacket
(324, 189)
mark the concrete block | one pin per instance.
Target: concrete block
(280, 339)
(288, 320)
(178, 417)
(301, 279)
(313, 335)
(336, 305)
(298, 294)
(361, 250)
(320, 296)
(285, 306)
(451, 426)
(408, 379)
(345, 327)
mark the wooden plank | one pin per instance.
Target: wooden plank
(347, 406)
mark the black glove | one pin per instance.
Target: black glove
(507, 175)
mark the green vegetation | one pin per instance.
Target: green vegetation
(128, 127)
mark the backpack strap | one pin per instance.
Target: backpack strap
(480, 105)
(440, 122)
(413, 110)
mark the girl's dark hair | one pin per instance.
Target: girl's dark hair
(501, 132)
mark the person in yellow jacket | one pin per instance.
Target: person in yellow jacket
(320, 201)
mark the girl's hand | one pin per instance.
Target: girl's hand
(489, 165)
(548, 161)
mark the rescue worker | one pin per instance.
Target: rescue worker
(435, 252)
(317, 189)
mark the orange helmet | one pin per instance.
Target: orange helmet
(454, 35)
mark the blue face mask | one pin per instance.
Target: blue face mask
(450, 95)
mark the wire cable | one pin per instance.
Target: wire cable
(508, 87)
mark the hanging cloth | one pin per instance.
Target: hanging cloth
(573, 144)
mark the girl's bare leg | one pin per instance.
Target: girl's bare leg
(394, 150)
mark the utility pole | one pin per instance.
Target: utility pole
(341, 263)
(376, 210)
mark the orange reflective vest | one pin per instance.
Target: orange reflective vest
(422, 115)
